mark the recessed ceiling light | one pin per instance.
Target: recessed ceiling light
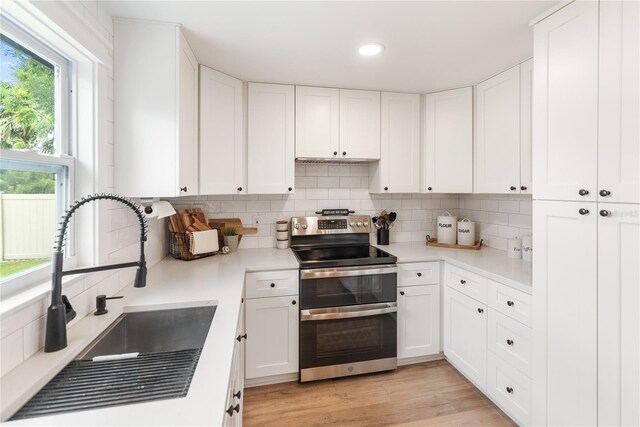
(370, 49)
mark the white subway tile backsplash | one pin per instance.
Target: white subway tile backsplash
(317, 193)
(359, 170)
(233, 206)
(328, 181)
(509, 206)
(350, 182)
(338, 170)
(317, 170)
(306, 182)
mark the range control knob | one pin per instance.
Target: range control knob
(352, 224)
(366, 223)
(304, 226)
(297, 226)
(359, 224)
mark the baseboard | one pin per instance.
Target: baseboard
(420, 359)
(273, 379)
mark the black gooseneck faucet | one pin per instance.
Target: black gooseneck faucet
(60, 311)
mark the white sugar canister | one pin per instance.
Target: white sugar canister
(466, 232)
(446, 232)
(527, 248)
(514, 248)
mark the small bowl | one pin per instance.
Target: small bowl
(282, 235)
(282, 244)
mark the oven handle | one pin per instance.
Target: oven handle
(327, 273)
(348, 312)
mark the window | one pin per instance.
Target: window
(36, 166)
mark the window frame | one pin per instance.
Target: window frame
(65, 150)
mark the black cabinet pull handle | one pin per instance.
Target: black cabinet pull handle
(513, 188)
(239, 188)
(237, 408)
(510, 342)
(401, 292)
(509, 390)
(523, 187)
(429, 188)
(480, 310)
(230, 411)
(386, 188)
(344, 153)
(293, 302)
(583, 211)
(290, 188)
(183, 188)
(238, 395)
(463, 282)
(273, 285)
(510, 303)
(604, 212)
(605, 193)
(335, 153)
(583, 192)
(240, 337)
(419, 274)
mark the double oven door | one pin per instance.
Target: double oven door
(348, 321)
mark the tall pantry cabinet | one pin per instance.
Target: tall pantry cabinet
(586, 215)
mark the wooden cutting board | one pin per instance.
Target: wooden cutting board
(222, 223)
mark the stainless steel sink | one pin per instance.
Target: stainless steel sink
(169, 343)
(153, 332)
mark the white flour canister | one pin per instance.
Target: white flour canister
(466, 232)
(527, 248)
(514, 248)
(446, 232)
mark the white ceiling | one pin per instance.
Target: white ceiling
(430, 46)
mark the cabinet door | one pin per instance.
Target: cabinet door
(317, 122)
(359, 124)
(418, 321)
(270, 139)
(188, 119)
(497, 149)
(465, 335)
(619, 315)
(398, 170)
(565, 326)
(565, 115)
(526, 88)
(448, 141)
(272, 336)
(222, 148)
(619, 97)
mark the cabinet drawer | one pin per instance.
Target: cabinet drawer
(466, 282)
(272, 283)
(419, 273)
(511, 340)
(509, 388)
(509, 301)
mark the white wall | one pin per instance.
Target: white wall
(22, 329)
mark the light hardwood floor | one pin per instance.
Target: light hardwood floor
(425, 394)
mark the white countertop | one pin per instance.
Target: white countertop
(171, 283)
(488, 262)
(215, 280)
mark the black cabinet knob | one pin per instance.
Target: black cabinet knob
(463, 282)
(386, 188)
(509, 390)
(240, 337)
(510, 303)
(344, 153)
(604, 212)
(523, 187)
(419, 274)
(583, 192)
(293, 302)
(510, 342)
(605, 193)
(335, 153)
(583, 211)
(513, 188)
(273, 285)
(238, 395)
(290, 189)
(401, 292)
(183, 189)
(480, 310)
(429, 188)
(239, 188)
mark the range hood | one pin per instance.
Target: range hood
(333, 161)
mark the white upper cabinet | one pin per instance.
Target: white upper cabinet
(398, 170)
(359, 124)
(565, 115)
(270, 138)
(156, 110)
(317, 122)
(448, 141)
(497, 143)
(619, 102)
(222, 146)
(526, 104)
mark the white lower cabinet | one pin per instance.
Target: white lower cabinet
(418, 321)
(235, 394)
(465, 335)
(509, 388)
(272, 336)
(511, 340)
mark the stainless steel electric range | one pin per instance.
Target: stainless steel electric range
(348, 307)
